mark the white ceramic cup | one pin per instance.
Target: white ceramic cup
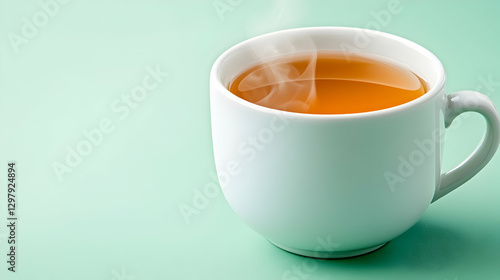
(335, 186)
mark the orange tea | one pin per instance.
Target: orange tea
(328, 83)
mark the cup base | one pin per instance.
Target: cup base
(329, 254)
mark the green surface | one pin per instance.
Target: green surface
(116, 214)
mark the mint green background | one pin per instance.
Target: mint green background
(116, 216)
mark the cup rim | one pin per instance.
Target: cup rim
(215, 79)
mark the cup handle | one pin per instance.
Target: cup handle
(458, 103)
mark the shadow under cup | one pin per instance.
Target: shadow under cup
(328, 186)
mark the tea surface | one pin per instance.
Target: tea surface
(328, 83)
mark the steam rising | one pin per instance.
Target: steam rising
(285, 85)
